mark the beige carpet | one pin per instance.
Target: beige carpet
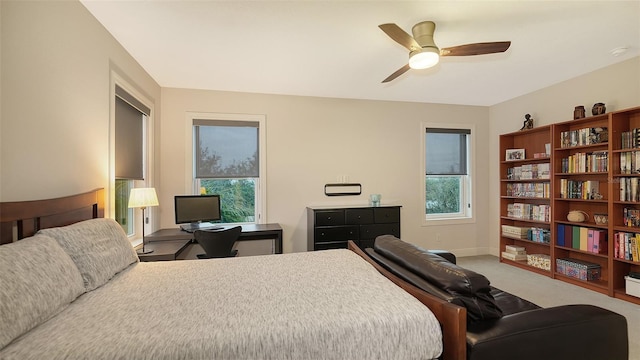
(547, 292)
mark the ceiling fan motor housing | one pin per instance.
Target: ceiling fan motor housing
(423, 34)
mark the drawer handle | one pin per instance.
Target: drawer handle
(328, 217)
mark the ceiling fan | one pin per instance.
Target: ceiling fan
(423, 51)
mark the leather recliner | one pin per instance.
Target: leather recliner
(501, 325)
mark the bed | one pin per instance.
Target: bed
(330, 304)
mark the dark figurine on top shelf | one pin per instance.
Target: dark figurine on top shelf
(598, 109)
(528, 123)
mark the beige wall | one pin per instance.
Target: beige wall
(618, 86)
(56, 61)
(55, 86)
(312, 141)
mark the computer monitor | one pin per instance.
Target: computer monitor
(195, 210)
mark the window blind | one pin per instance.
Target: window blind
(226, 149)
(128, 141)
(446, 151)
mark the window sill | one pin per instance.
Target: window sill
(448, 221)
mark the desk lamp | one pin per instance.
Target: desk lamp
(143, 197)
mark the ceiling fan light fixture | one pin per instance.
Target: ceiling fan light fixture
(424, 58)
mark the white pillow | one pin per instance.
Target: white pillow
(99, 247)
(38, 281)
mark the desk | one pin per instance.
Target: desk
(164, 250)
(249, 232)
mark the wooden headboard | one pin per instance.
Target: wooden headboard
(22, 219)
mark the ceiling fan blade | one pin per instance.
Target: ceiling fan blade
(400, 36)
(476, 49)
(398, 72)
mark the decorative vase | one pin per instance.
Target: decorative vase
(598, 109)
(578, 112)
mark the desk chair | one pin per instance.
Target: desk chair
(217, 243)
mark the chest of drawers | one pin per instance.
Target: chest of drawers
(331, 228)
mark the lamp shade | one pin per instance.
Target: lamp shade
(424, 58)
(143, 197)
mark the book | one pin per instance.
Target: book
(584, 237)
(514, 249)
(514, 257)
(599, 241)
(576, 237)
(560, 233)
(568, 235)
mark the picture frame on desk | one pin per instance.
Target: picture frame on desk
(514, 154)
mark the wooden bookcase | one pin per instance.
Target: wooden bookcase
(592, 172)
(575, 142)
(516, 191)
(621, 121)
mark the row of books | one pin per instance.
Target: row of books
(626, 246)
(596, 161)
(578, 269)
(581, 137)
(629, 189)
(582, 238)
(534, 190)
(631, 217)
(576, 189)
(631, 139)
(539, 235)
(529, 171)
(529, 212)
(630, 162)
(534, 234)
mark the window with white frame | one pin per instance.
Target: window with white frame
(447, 180)
(228, 162)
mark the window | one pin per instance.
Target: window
(124, 215)
(447, 181)
(130, 124)
(228, 161)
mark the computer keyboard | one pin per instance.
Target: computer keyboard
(190, 228)
(211, 228)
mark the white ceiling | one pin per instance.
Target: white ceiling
(334, 48)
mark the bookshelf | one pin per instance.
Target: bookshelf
(623, 124)
(580, 174)
(593, 196)
(525, 188)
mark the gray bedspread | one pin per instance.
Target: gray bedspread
(316, 305)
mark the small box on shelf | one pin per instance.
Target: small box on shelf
(540, 261)
(632, 286)
(578, 269)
